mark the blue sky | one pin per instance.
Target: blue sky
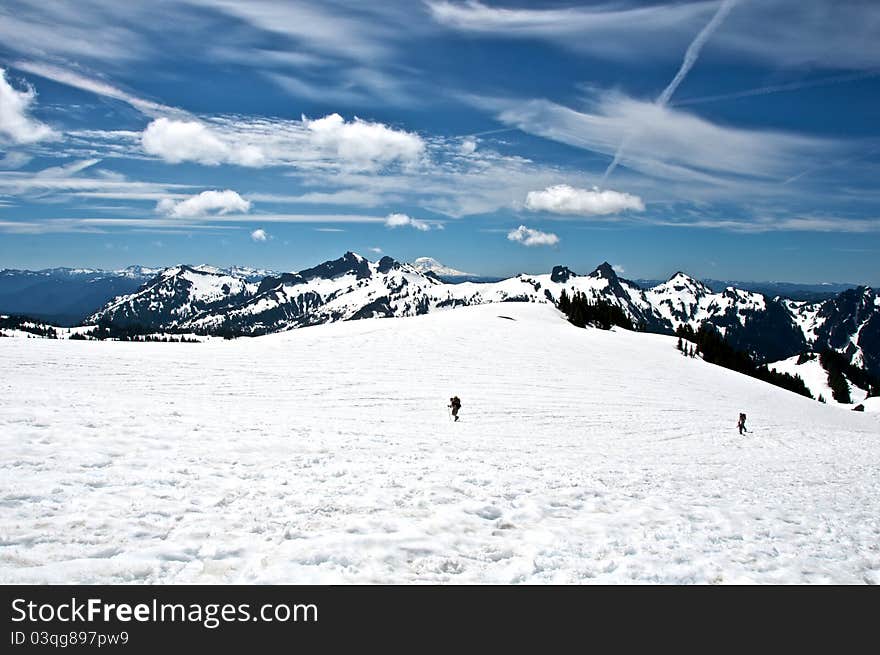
(729, 139)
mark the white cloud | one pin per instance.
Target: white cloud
(619, 269)
(259, 235)
(177, 141)
(204, 204)
(329, 141)
(468, 146)
(15, 123)
(402, 220)
(529, 237)
(564, 199)
(361, 143)
(378, 251)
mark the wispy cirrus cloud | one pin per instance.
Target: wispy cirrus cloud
(94, 85)
(825, 34)
(608, 31)
(64, 180)
(319, 27)
(796, 223)
(690, 59)
(14, 159)
(672, 143)
(42, 29)
(170, 225)
(353, 197)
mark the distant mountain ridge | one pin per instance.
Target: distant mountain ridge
(196, 299)
(67, 296)
(245, 301)
(791, 290)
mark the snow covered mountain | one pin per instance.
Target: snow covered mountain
(848, 323)
(349, 288)
(212, 301)
(174, 297)
(431, 265)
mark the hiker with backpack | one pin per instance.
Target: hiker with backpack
(741, 424)
(455, 404)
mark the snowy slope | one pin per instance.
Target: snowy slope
(326, 455)
(816, 379)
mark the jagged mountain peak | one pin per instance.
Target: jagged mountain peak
(561, 274)
(387, 264)
(604, 270)
(681, 281)
(350, 262)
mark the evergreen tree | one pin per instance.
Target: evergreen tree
(836, 366)
(564, 302)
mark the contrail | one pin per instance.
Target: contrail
(503, 129)
(777, 88)
(690, 58)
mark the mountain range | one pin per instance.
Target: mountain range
(245, 301)
(67, 296)
(232, 302)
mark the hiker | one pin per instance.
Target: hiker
(455, 404)
(741, 424)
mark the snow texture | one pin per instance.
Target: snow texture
(326, 455)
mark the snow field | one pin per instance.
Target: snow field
(326, 455)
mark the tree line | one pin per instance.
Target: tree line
(714, 349)
(582, 312)
(27, 324)
(839, 369)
